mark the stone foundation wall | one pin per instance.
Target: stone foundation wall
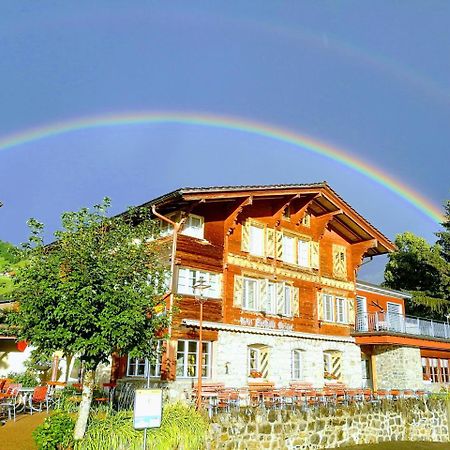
(398, 368)
(403, 420)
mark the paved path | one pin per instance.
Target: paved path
(17, 435)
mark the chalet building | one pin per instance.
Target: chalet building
(279, 264)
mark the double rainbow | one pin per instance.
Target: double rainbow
(230, 123)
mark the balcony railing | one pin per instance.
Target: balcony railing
(398, 323)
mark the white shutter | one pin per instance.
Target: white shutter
(279, 244)
(295, 301)
(237, 295)
(280, 298)
(183, 281)
(263, 295)
(270, 242)
(303, 253)
(245, 239)
(315, 258)
(319, 306)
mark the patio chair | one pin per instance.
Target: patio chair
(39, 398)
(11, 402)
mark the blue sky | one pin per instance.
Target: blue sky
(372, 78)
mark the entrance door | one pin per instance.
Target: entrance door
(362, 321)
(395, 317)
(366, 371)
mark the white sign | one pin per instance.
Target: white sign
(147, 408)
(266, 323)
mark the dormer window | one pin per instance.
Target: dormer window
(193, 226)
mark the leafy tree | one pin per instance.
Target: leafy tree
(423, 270)
(9, 260)
(95, 291)
(444, 236)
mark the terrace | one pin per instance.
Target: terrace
(389, 323)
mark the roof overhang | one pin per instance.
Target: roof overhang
(369, 287)
(345, 221)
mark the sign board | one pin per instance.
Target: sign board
(147, 408)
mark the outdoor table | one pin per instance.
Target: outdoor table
(211, 398)
(24, 393)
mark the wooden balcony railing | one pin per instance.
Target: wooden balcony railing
(398, 323)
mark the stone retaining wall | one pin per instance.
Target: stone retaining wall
(402, 420)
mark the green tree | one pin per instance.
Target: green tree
(9, 260)
(98, 289)
(421, 269)
(444, 235)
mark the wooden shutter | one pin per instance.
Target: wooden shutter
(319, 306)
(270, 242)
(238, 291)
(351, 311)
(279, 244)
(339, 261)
(262, 295)
(315, 259)
(245, 239)
(280, 298)
(295, 301)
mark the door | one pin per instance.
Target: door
(366, 371)
(362, 321)
(395, 317)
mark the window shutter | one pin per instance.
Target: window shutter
(237, 298)
(245, 239)
(315, 259)
(263, 295)
(270, 242)
(295, 301)
(279, 244)
(351, 311)
(320, 306)
(280, 298)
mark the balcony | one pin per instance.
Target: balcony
(388, 323)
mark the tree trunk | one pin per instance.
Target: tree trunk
(85, 405)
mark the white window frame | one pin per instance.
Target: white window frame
(304, 246)
(292, 254)
(328, 298)
(191, 276)
(297, 364)
(195, 232)
(245, 305)
(327, 362)
(271, 298)
(256, 239)
(154, 368)
(287, 292)
(341, 310)
(258, 350)
(185, 356)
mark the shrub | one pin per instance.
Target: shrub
(182, 427)
(56, 433)
(26, 379)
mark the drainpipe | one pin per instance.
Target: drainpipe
(176, 228)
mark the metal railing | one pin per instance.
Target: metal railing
(398, 323)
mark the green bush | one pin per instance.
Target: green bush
(26, 379)
(56, 433)
(182, 427)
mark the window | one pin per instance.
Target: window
(256, 244)
(341, 310)
(328, 310)
(258, 360)
(250, 294)
(138, 367)
(306, 221)
(435, 370)
(193, 226)
(271, 298)
(297, 357)
(187, 359)
(289, 249)
(287, 300)
(188, 278)
(303, 253)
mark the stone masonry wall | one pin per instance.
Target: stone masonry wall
(403, 420)
(398, 368)
(231, 366)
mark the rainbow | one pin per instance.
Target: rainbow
(230, 123)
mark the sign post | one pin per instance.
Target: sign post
(147, 410)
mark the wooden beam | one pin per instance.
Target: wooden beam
(359, 250)
(319, 223)
(300, 213)
(232, 220)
